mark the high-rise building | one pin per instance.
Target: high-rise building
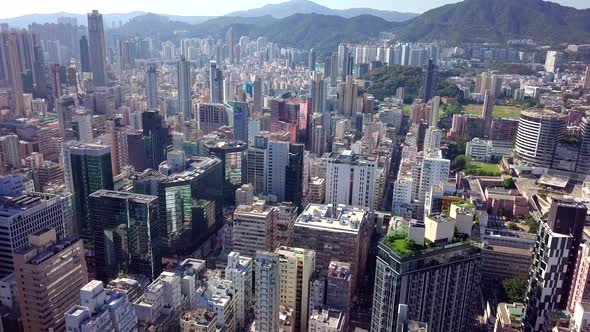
(339, 286)
(404, 279)
(9, 153)
(347, 102)
(312, 60)
(537, 137)
(487, 113)
(126, 234)
(428, 88)
(119, 148)
(184, 82)
(84, 55)
(253, 228)
(295, 175)
(239, 270)
(336, 232)
(215, 83)
(553, 61)
(266, 271)
(554, 262)
(432, 139)
(151, 87)
(296, 266)
(51, 271)
(587, 78)
(233, 155)
(211, 117)
(88, 169)
(240, 113)
(318, 89)
(101, 309)
(155, 135)
(257, 164)
(97, 48)
(257, 96)
(14, 74)
(351, 179)
(27, 214)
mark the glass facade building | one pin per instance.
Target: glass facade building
(233, 155)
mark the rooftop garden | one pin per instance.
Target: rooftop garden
(464, 204)
(399, 243)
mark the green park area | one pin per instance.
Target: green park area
(481, 169)
(500, 111)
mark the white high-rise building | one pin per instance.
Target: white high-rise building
(434, 171)
(267, 291)
(351, 179)
(432, 139)
(84, 125)
(553, 61)
(239, 271)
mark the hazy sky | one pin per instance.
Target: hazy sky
(211, 7)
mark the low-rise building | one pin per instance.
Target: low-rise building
(509, 317)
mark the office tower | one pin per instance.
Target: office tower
(266, 271)
(151, 87)
(537, 137)
(432, 139)
(345, 228)
(101, 309)
(15, 69)
(553, 61)
(318, 90)
(184, 82)
(295, 175)
(38, 211)
(428, 88)
(351, 179)
(9, 154)
(554, 262)
(155, 135)
(215, 83)
(126, 233)
(257, 96)
(211, 117)
(51, 271)
(233, 156)
(253, 227)
(84, 55)
(240, 113)
(296, 266)
(312, 60)
(97, 49)
(587, 78)
(348, 105)
(257, 164)
(88, 169)
(239, 271)
(229, 43)
(487, 113)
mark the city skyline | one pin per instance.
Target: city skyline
(211, 7)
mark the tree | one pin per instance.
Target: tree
(533, 225)
(511, 226)
(459, 163)
(508, 183)
(515, 289)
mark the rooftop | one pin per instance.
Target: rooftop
(342, 218)
(138, 198)
(348, 157)
(10, 206)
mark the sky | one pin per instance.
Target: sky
(213, 7)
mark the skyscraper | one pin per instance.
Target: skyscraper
(84, 55)
(233, 155)
(215, 83)
(156, 138)
(312, 60)
(126, 234)
(97, 48)
(487, 113)
(351, 179)
(229, 42)
(151, 87)
(14, 74)
(266, 267)
(428, 82)
(538, 133)
(318, 91)
(184, 81)
(240, 120)
(587, 78)
(257, 94)
(294, 175)
(51, 271)
(90, 169)
(554, 262)
(239, 271)
(553, 61)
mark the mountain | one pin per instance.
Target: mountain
(109, 19)
(499, 21)
(286, 9)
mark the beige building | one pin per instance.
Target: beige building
(317, 190)
(198, 320)
(327, 320)
(49, 276)
(253, 228)
(296, 266)
(509, 317)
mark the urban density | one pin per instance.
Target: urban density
(296, 168)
